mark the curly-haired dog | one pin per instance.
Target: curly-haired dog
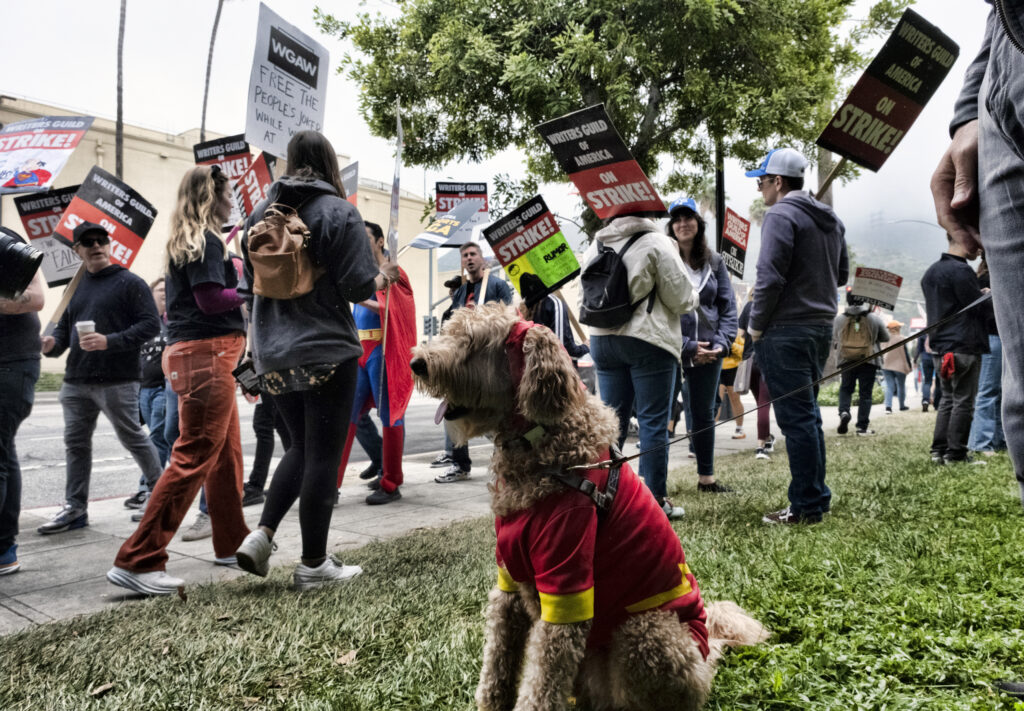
(597, 605)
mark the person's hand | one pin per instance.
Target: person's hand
(47, 343)
(390, 270)
(704, 354)
(985, 290)
(251, 399)
(93, 342)
(954, 188)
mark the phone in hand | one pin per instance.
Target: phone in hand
(245, 375)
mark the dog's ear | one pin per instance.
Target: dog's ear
(550, 387)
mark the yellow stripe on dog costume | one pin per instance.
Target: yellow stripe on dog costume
(683, 588)
(371, 334)
(506, 583)
(563, 609)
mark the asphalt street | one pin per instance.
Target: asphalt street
(40, 444)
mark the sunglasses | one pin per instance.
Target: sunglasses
(89, 242)
(766, 179)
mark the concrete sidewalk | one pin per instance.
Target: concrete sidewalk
(63, 575)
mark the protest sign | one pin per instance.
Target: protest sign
(350, 182)
(252, 188)
(530, 245)
(876, 286)
(105, 200)
(590, 150)
(735, 232)
(396, 195)
(33, 152)
(233, 156)
(448, 196)
(40, 214)
(891, 93)
(441, 229)
(287, 86)
(917, 323)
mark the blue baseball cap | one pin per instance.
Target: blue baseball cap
(781, 161)
(684, 202)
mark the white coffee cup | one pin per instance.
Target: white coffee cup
(85, 327)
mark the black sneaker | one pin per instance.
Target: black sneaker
(383, 497)
(372, 471)
(68, 519)
(715, 487)
(1011, 688)
(924, 407)
(888, 410)
(136, 500)
(769, 444)
(786, 516)
(844, 422)
(442, 460)
(252, 495)
(866, 432)
(373, 485)
(937, 458)
(762, 453)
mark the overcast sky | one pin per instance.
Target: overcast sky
(63, 52)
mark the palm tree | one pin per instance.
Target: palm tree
(209, 65)
(119, 128)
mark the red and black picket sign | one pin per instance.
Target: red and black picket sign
(252, 188)
(891, 93)
(107, 201)
(40, 213)
(350, 182)
(232, 155)
(590, 149)
(735, 233)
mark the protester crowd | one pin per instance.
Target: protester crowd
(316, 350)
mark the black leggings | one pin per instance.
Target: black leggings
(317, 421)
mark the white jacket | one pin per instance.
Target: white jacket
(653, 262)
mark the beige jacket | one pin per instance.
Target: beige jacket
(653, 262)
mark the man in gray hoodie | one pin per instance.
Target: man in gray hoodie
(803, 260)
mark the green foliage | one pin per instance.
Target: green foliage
(49, 382)
(828, 394)
(907, 596)
(475, 76)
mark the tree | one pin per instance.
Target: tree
(474, 77)
(757, 210)
(119, 125)
(209, 66)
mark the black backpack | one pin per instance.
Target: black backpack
(605, 284)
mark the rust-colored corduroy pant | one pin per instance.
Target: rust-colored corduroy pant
(208, 451)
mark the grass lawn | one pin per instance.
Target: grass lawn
(907, 597)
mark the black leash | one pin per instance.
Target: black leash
(620, 460)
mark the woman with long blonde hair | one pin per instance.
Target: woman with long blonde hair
(205, 340)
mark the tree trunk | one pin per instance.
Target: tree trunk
(825, 166)
(119, 129)
(209, 65)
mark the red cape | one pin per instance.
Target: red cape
(398, 311)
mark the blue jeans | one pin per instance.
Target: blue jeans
(931, 388)
(702, 382)
(895, 384)
(152, 403)
(987, 427)
(1000, 191)
(629, 369)
(17, 393)
(792, 357)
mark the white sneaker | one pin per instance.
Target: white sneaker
(673, 512)
(253, 556)
(200, 528)
(226, 560)
(328, 572)
(156, 582)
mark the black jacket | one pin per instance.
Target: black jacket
(948, 286)
(317, 327)
(122, 306)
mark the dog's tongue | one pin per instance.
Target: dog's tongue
(441, 409)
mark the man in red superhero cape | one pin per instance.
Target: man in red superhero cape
(387, 330)
(29, 175)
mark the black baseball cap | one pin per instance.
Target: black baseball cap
(87, 228)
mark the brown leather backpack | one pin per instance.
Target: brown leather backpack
(278, 250)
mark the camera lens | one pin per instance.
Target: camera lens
(18, 264)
